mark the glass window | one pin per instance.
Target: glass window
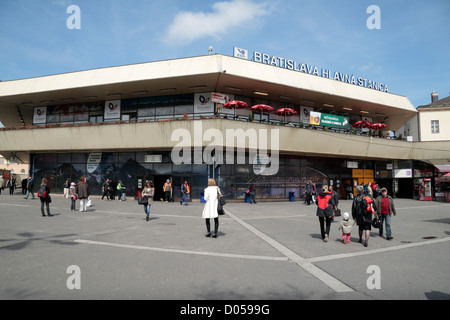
(200, 168)
(146, 113)
(200, 181)
(81, 113)
(129, 105)
(183, 168)
(51, 158)
(109, 170)
(435, 126)
(180, 110)
(164, 112)
(127, 157)
(109, 158)
(163, 169)
(53, 114)
(67, 113)
(79, 158)
(78, 170)
(146, 102)
(129, 109)
(64, 158)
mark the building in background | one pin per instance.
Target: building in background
(124, 123)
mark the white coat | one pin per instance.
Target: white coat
(210, 209)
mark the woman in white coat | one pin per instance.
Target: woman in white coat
(210, 209)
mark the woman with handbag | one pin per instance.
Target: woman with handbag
(147, 198)
(212, 194)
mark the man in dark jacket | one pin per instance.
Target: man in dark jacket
(325, 210)
(82, 190)
(30, 187)
(385, 209)
(361, 215)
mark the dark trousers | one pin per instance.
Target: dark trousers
(42, 206)
(167, 196)
(216, 225)
(308, 198)
(72, 205)
(324, 221)
(105, 193)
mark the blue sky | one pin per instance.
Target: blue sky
(410, 53)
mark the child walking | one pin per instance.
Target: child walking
(346, 226)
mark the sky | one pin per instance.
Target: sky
(409, 50)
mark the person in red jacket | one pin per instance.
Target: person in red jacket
(325, 210)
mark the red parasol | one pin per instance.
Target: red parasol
(261, 108)
(235, 105)
(378, 126)
(286, 112)
(362, 124)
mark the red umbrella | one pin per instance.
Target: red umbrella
(362, 124)
(235, 105)
(286, 112)
(377, 126)
(261, 108)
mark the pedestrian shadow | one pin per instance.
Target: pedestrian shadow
(445, 220)
(316, 235)
(437, 295)
(28, 238)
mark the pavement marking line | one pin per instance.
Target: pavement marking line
(214, 254)
(374, 251)
(326, 278)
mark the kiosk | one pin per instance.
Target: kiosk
(425, 190)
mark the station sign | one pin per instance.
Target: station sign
(294, 65)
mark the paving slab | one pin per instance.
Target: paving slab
(265, 251)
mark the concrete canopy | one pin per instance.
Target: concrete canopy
(213, 73)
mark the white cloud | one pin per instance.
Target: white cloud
(190, 26)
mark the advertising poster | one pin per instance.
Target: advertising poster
(203, 103)
(328, 120)
(40, 115)
(112, 109)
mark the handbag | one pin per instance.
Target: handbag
(220, 203)
(376, 222)
(143, 201)
(337, 212)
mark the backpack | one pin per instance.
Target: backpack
(42, 191)
(368, 205)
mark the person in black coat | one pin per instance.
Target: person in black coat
(45, 197)
(325, 211)
(360, 214)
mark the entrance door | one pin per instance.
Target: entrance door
(177, 181)
(159, 182)
(140, 183)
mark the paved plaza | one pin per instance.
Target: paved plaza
(267, 251)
